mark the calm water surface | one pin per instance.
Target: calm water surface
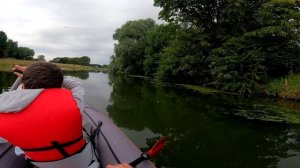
(201, 133)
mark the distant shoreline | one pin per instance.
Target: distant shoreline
(7, 63)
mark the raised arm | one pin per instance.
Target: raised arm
(77, 91)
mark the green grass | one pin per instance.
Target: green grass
(6, 65)
(288, 87)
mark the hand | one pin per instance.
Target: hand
(18, 70)
(123, 165)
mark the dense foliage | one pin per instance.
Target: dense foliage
(130, 51)
(232, 44)
(84, 60)
(10, 48)
(3, 39)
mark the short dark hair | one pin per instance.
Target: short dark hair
(42, 75)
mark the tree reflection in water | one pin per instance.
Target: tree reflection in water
(6, 80)
(80, 74)
(200, 134)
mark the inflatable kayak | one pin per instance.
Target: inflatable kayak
(112, 145)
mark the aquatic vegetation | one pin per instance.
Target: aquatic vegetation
(201, 89)
(267, 113)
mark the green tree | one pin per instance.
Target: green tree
(219, 19)
(130, 49)
(278, 36)
(114, 64)
(3, 39)
(184, 60)
(75, 61)
(272, 49)
(25, 53)
(41, 58)
(156, 40)
(204, 14)
(85, 60)
(238, 65)
(12, 48)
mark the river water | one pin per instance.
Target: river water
(201, 132)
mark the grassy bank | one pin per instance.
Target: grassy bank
(6, 64)
(287, 88)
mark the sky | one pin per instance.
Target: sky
(71, 28)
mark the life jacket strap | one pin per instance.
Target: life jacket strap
(65, 155)
(58, 146)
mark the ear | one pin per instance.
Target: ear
(23, 86)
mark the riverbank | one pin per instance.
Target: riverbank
(286, 88)
(6, 64)
(284, 92)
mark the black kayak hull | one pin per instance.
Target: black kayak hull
(113, 145)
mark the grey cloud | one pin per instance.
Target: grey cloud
(79, 27)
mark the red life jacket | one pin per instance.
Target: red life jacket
(48, 129)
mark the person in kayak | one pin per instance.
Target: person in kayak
(44, 118)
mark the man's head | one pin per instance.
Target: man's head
(42, 75)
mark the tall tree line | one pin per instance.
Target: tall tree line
(10, 48)
(84, 60)
(233, 44)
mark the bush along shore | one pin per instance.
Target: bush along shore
(286, 87)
